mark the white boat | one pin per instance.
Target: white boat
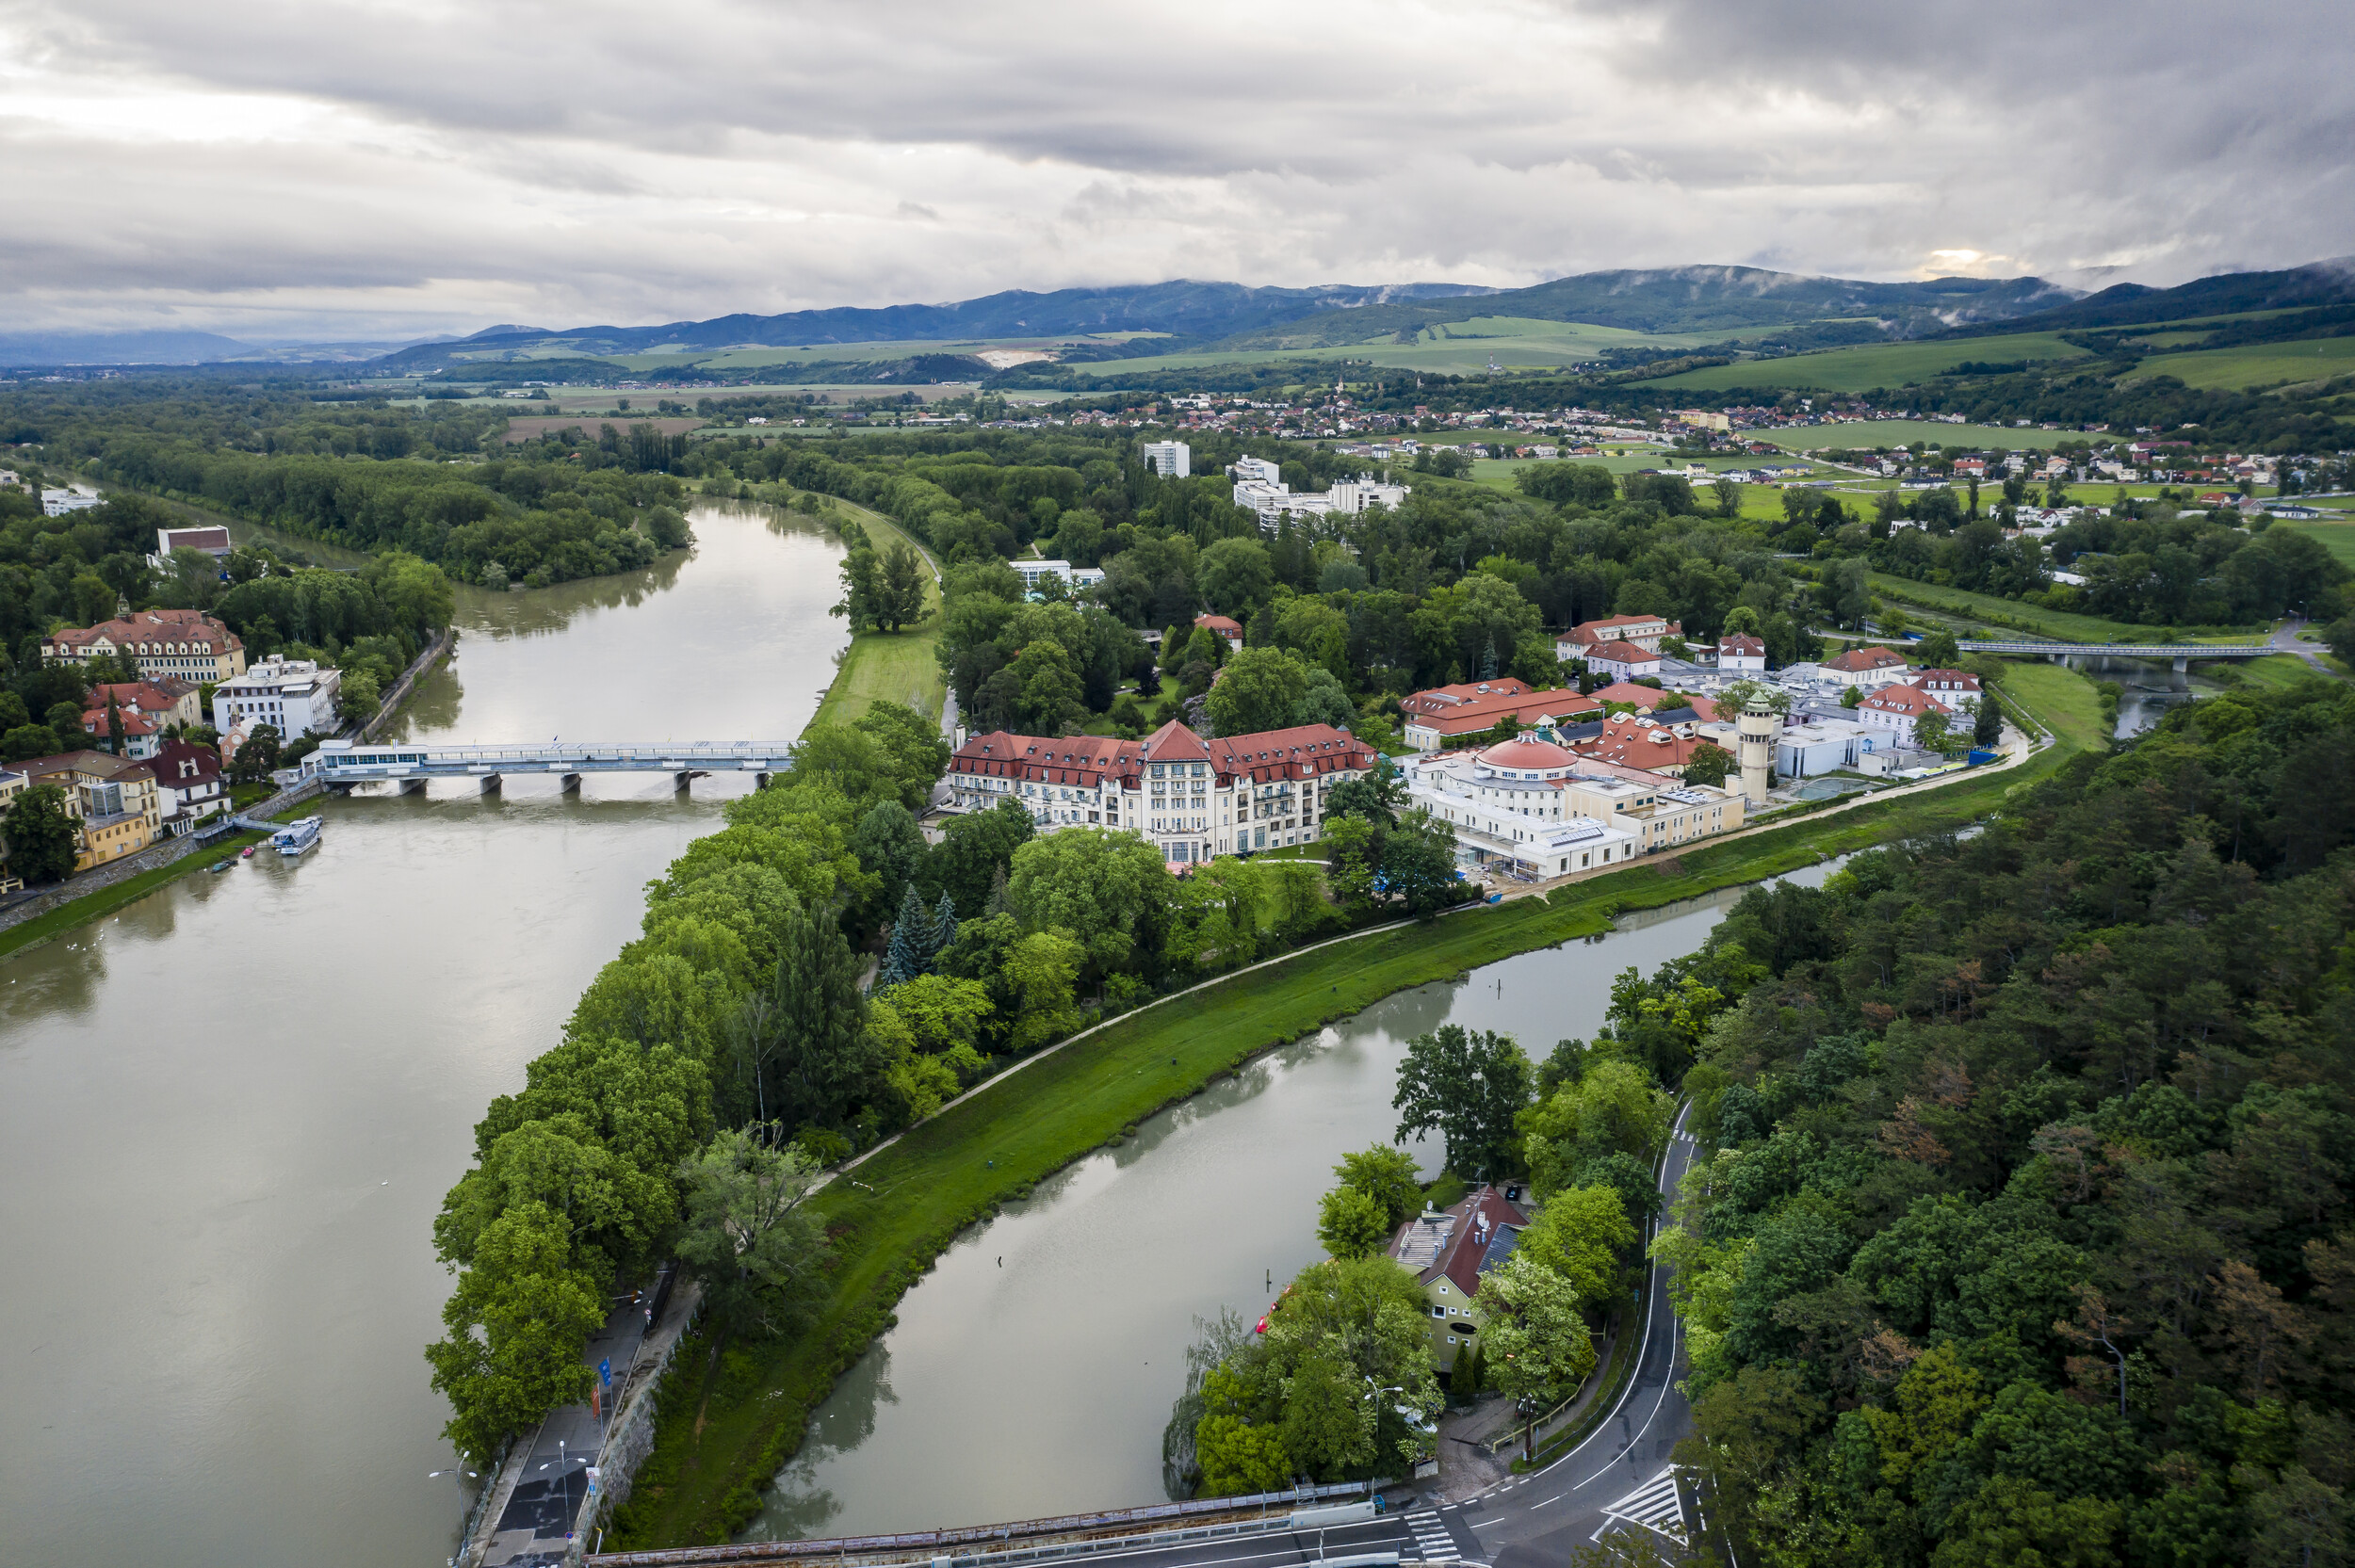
(299, 836)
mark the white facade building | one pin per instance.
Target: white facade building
(294, 695)
(1821, 746)
(1171, 460)
(1034, 572)
(1537, 811)
(57, 503)
(1258, 484)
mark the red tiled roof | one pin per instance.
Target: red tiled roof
(1858, 661)
(147, 627)
(1620, 653)
(1645, 697)
(1740, 643)
(1909, 700)
(1302, 752)
(1631, 743)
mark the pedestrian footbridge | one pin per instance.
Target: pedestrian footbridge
(342, 764)
(2179, 654)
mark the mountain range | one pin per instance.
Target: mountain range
(1196, 314)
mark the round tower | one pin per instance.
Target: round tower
(1755, 732)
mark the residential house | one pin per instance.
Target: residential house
(1957, 688)
(1623, 661)
(168, 702)
(1448, 1251)
(1443, 715)
(213, 542)
(1898, 707)
(1191, 798)
(188, 785)
(173, 644)
(125, 732)
(1227, 628)
(297, 696)
(1740, 652)
(1866, 669)
(112, 800)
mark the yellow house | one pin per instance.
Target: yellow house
(114, 803)
(1448, 1250)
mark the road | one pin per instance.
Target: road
(2285, 638)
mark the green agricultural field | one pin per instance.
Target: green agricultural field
(2258, 364)
(2337, 538)
(1874, 365)
(1913, 432)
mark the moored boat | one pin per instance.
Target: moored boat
(298, 837)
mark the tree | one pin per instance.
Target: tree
(1235, 574)
(358, 697)
(1610, 1107)
(760, 1255)
(257, 758)
(1388, 1175)
(1378, 795)
(825, 1062)
(516, 1321)
(976, 849)
(1710, 764)
(1728, 495)
(1106, 889)
(1936, 650)
(1419, 865)
(1930, 731)
(898, 587)
(1045, 690)
(1987, 724)
(40, 834)
(1259, 691)
(910, 951)
(1535, 1344)
(1467, 1088)
(1041, 970)
(1350, 1224)
(1578, 1234)
(891, 848)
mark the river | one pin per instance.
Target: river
(1032, 1372)
(229, 1112)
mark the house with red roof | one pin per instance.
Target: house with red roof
(1957, 688)
(1191, 797)
(1443, 715)
(1229, 629)
(1623, 661)
(1867, 668)
(1644, 631)
(124, 732)
(1739, 651)
(1897, 708)
(1448, 1251)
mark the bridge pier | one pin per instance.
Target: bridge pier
(572, 784)
(491, 783)
(411, 786)
(679, 780)
(760, 781)
(2183, 666)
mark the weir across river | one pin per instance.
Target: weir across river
(341, 765)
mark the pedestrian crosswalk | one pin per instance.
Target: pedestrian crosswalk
(1655, 1506)
(1433, 1544)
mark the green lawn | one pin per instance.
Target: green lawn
(887, 667)
(2002, 614)
(1874, 365)
(2276, 672)
(716, 1446)
(2059, 699)
(2258, 364)
(95, 906)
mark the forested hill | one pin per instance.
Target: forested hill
(2320, 283)
(2023, 1233)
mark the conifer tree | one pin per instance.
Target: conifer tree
(910, 953)
(944, 929)
(997, 905)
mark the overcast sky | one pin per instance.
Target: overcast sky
(371, 167)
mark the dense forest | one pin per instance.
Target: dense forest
(433, 478)
(2022, 1233)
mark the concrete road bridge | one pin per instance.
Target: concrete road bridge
(2177, 653)
(341, 764)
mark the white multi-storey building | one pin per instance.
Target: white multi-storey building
(1192, 799)
(1032, 573)
(1171, 460)
(1538, 811)
(296, 696)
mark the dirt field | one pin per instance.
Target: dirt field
(532, 426)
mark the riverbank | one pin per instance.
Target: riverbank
(719, 1445)
(887, 667)
(32, 923)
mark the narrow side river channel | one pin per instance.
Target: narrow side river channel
(1032, 1370)
(228, 1114)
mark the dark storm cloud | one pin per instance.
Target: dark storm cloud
(431, 164)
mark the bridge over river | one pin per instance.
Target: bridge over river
(2179, 654)
(342, 764)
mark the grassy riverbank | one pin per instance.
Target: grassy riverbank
(887, 667)
(724, 1433)
(2060, 625)
(98, 905)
